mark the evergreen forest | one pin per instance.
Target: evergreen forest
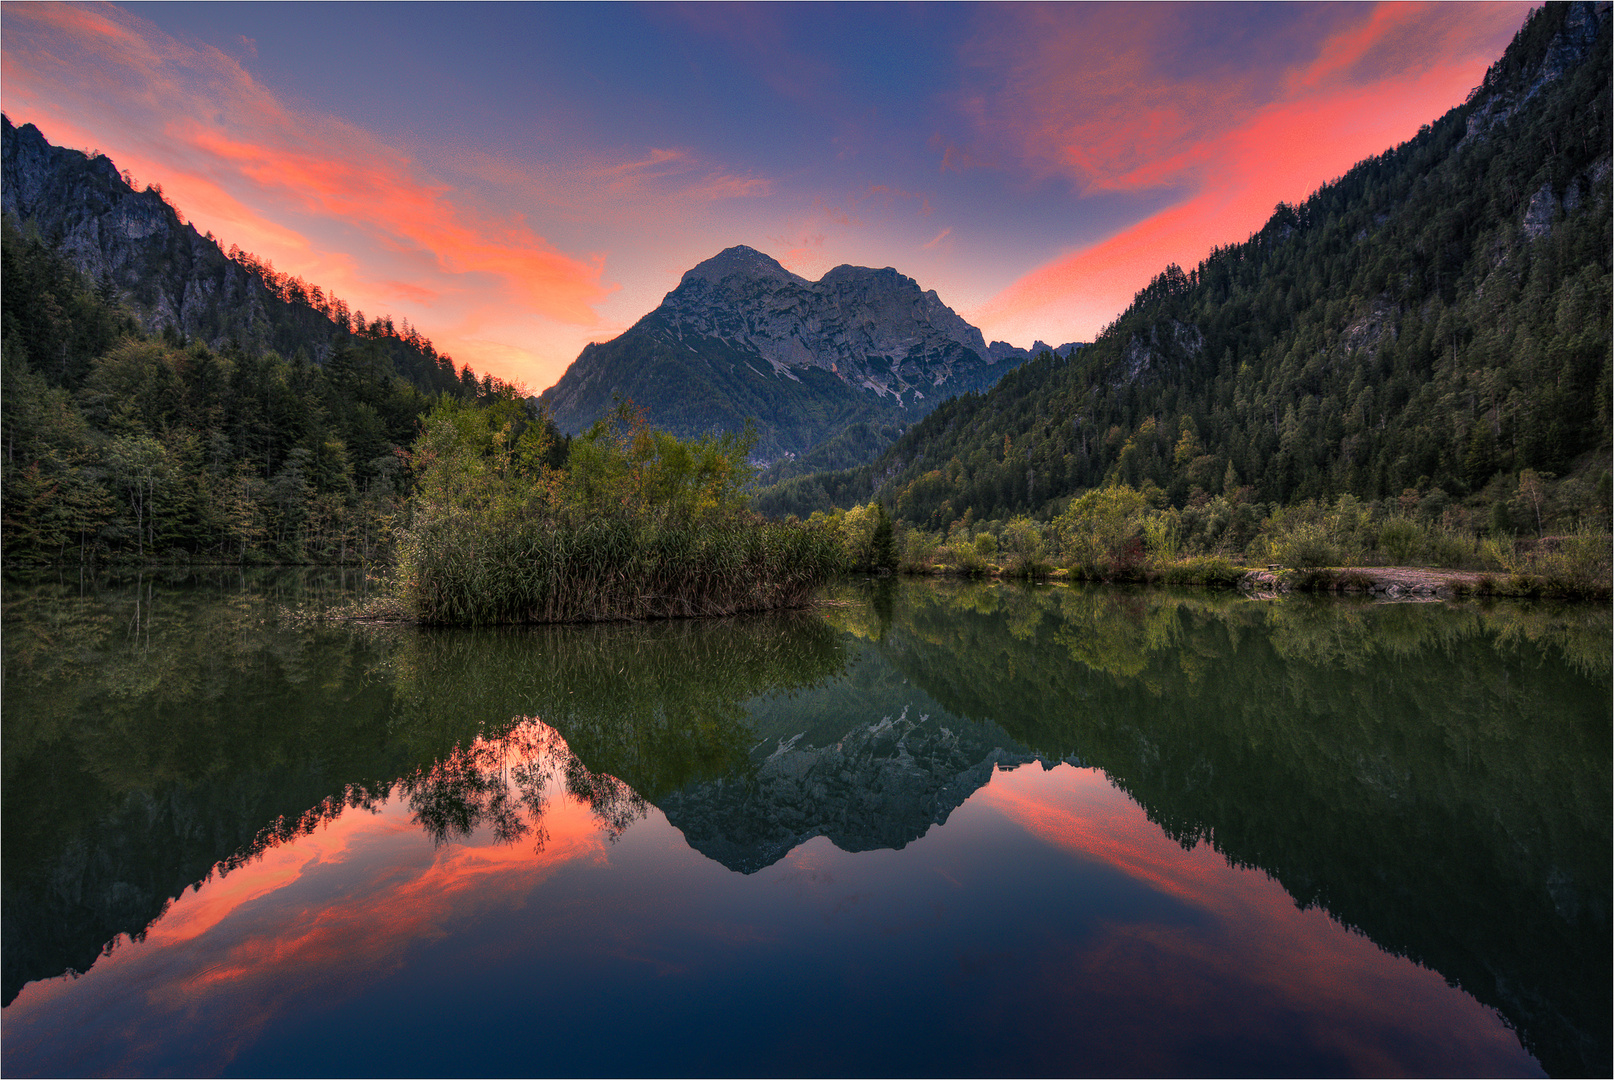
(123, 443)
(1429, 335)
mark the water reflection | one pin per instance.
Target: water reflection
(156, 735)
(1438, 778)
(1435, 777)
(502, 785)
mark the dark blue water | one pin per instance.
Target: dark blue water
(939, 830)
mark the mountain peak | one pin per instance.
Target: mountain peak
(742, 337)
(847, 271)
(739, 259)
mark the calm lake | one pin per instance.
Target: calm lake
(926, 828)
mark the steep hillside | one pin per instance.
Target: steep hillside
(1425, 328)
(138, 252)
(161, 400)
(741, 338)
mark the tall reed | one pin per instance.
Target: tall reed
(639, 526)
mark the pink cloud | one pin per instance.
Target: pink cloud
(1104, 94)
(1238, 156)
(1349, 994)
(316, 196)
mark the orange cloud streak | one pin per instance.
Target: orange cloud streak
(243, 165)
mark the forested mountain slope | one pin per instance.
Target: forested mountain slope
(159, 399)
(137, 252)
(1426, 327)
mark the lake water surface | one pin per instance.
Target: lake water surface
(925, 829)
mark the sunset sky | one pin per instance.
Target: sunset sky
(519, 180)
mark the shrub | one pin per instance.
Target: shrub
(1399, 537)
(1578, 565)
(1102, 532)
(917, 550)
(1500, 552)
(1022, 549)
(1305, 544)
(1443, 546)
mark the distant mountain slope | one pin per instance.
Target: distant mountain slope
(743, 338)
(134, 245)
(1424, 328)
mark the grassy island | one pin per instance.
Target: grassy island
(623, 522)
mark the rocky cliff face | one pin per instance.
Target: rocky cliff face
(1503, 92)
(742, 337)
(131, 241)
(873, 328)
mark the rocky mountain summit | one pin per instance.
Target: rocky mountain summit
(874, 328)
(743, 338)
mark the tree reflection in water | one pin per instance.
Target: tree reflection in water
(501, 783)
(159, 733)
(1437, 777)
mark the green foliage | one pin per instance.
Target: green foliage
(116, 444)
(1577, 564)
(1120, 533)
(1398, 539)
(883, 544)
(638, 525)
(803, 496)
(1212, 570)
(1024, 548)
(1103, 532)
(853, 446)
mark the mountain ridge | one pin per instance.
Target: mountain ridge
(140, 252)
(742, 338)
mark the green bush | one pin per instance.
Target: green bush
(1448, 547)
(1399, 538)
(640, 525)
(1307, 544)
(1574, 565)
(1213, 570)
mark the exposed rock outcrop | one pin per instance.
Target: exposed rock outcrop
(743, 338)
(1575, 38)
(170, 275)
(1169, 342)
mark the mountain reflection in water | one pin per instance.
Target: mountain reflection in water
(251, 833)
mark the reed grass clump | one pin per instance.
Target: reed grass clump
(637, 525)
(458, 570)
(1213, 570)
